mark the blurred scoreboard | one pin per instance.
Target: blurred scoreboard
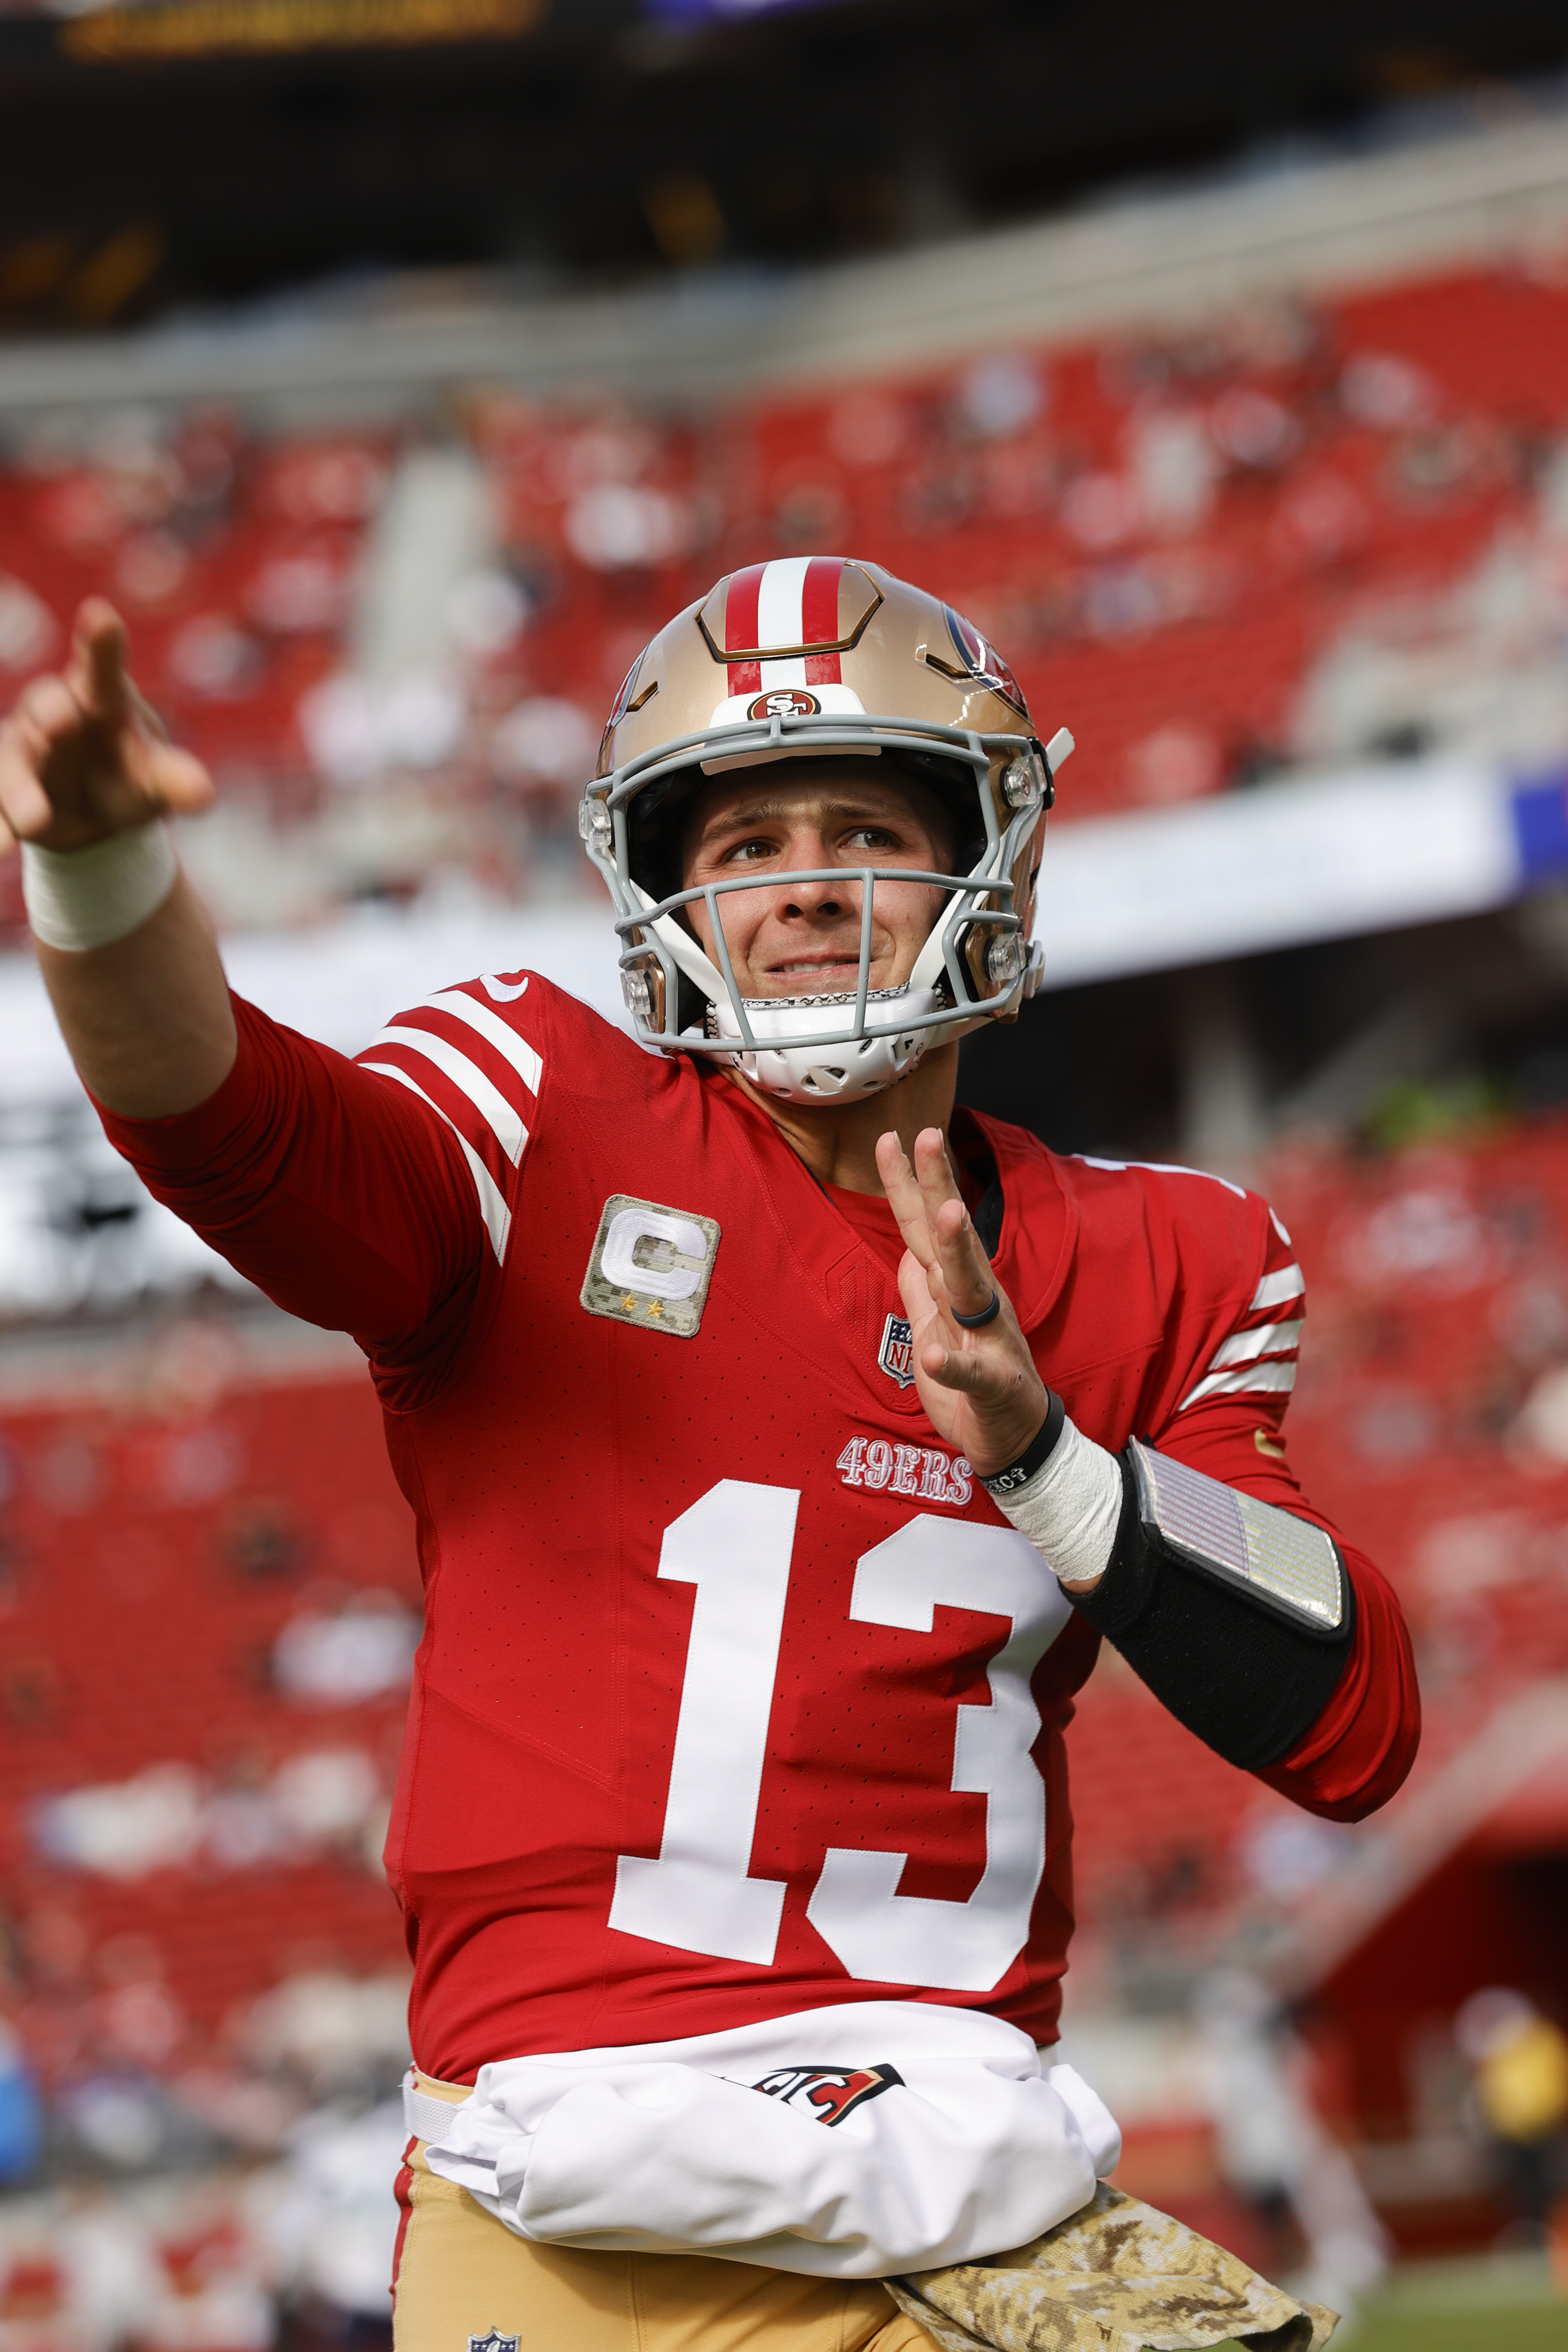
(153, 30)
(126, 30)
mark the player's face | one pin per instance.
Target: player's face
(794, 937)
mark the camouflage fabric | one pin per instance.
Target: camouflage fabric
(1116, 2276)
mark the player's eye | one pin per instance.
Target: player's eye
(871, 836)
(750, 852)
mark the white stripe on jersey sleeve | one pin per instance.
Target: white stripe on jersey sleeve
(1275, 1289)
(1279, 1374)
(1263, 1339)
(494, 1031)
(1161, 1168)
(487, 1100)
(492, 1208)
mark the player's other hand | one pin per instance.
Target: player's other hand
(980, 1388)
(83, 756)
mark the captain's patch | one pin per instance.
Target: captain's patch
(650, 1266)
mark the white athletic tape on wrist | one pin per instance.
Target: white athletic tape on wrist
(79, 899)
(1069, 1509)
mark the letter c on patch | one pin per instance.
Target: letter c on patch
(630, 1226)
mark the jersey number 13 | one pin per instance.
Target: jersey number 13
(735, 1545)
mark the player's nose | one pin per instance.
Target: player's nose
(832, 896)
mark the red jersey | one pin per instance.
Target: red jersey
(737, 1694)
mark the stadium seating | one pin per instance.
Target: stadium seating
(1299, 533)
(209, 1594)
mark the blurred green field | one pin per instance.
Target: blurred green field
(1496, 2304)
(1500, 2327)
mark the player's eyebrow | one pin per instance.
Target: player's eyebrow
(771, 811)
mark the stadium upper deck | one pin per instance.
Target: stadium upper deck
(1306, 533)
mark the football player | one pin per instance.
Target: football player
(782, 1443)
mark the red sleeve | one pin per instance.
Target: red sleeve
(1362, 1745)
(345, 1197)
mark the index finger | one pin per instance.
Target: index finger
(98, 677)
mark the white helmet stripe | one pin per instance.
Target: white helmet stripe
(779, 600)
(780, 618)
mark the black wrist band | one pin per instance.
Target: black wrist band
(986, 1314)
(1035, 1454)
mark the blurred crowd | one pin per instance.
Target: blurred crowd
(1292, 535)
(220, 2206)
(202, 1987)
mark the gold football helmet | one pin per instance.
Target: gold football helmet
(810, 655)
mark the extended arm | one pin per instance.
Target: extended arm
(342, 1197)
(125, 946)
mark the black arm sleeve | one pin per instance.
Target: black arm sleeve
(1245, 1680)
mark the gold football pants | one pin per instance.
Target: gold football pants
(461, 2277)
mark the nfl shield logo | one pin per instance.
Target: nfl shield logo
(493, 2342)
(896, 1356)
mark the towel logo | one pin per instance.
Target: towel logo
(828, 2093)
(494, 2342)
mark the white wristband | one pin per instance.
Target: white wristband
(1069, 1509)
(80, 899)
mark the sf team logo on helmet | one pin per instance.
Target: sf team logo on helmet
(813, 657)
(784, 702)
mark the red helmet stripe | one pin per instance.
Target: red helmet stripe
(741, 625)
(819, 618)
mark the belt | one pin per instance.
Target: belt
(427, 2110)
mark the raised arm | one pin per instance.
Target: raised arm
(125, 946)
(346, 1199)
(1328, 1715)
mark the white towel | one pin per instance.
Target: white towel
(853, 2142)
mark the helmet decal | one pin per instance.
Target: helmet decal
(621, 704)
(784, 702)
(983, 662)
